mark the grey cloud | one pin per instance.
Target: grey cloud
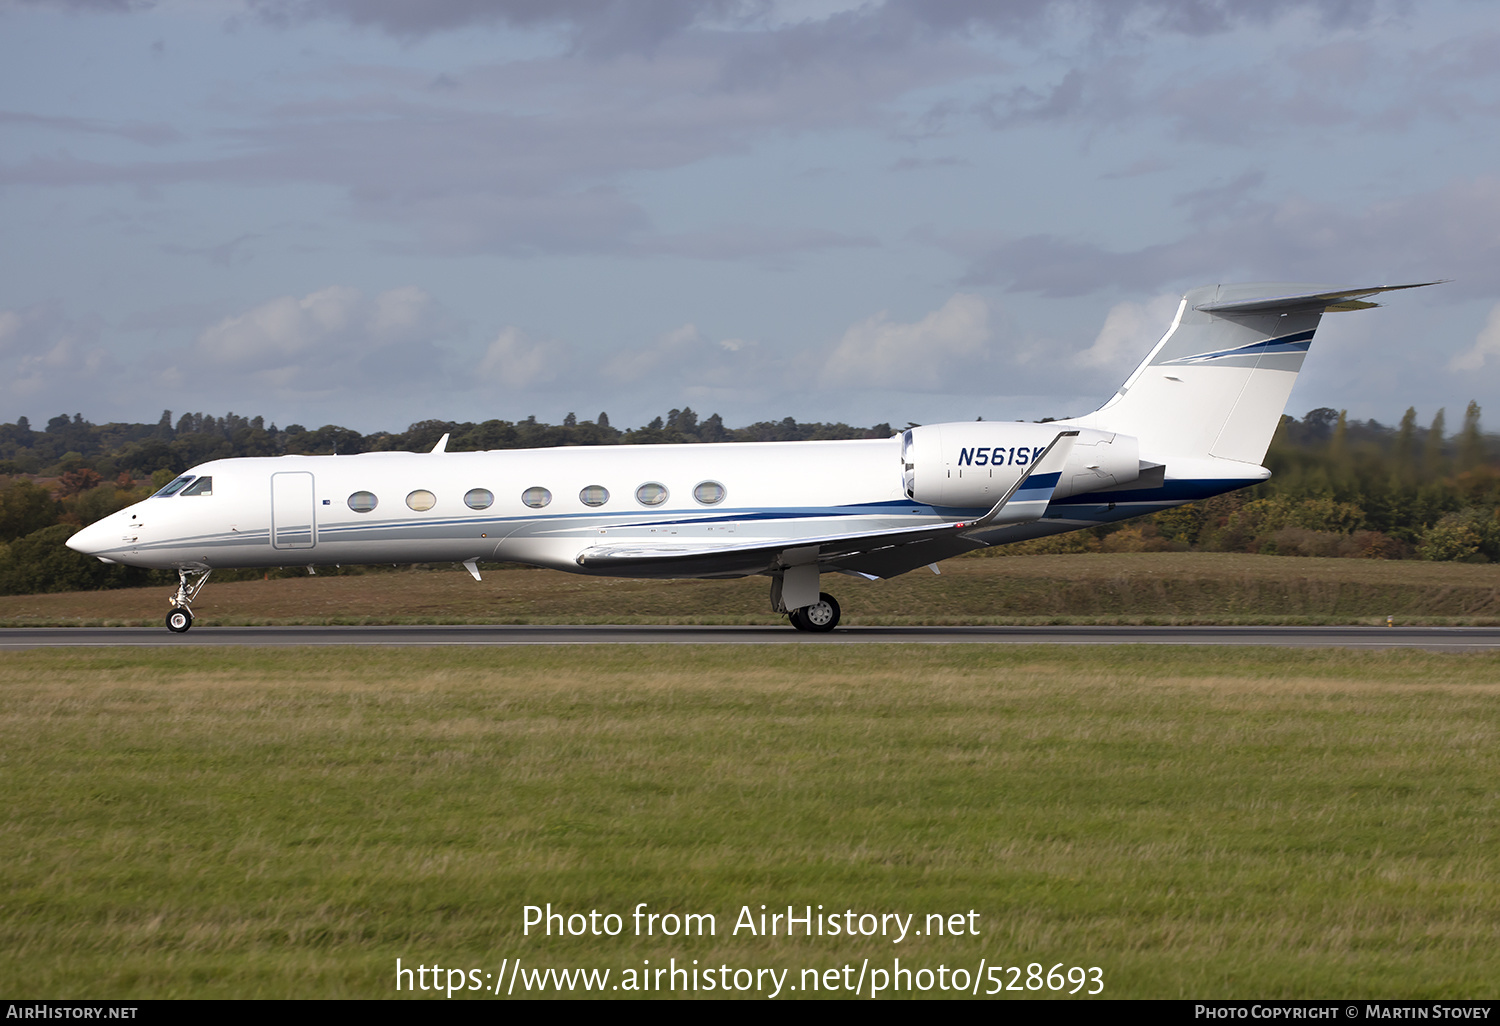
(1239, 106)
(771, 246)
(1222, 200)
(1144, 166)
(616, 26)
(521, 157)
(49, 358)
(151, 134)
(922, 163)
(175, 317)
(1190, 17)
(225, 254)
(1451, 232)
(583, 221)
(609, 27)
(1368, 83)
(1248, 105)
(325, 343)
(87, 6)
(603, 27)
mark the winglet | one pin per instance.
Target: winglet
(1028, 498)
(442, 444)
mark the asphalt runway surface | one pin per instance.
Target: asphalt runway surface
(1435, 638)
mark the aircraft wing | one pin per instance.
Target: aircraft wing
(884, 553)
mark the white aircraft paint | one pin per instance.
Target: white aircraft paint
(1193, 420)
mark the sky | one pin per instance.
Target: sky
(374, 212)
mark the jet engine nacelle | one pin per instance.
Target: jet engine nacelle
(975, 464)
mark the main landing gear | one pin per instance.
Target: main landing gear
(189, 583)
(821, 616)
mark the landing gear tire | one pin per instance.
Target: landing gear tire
(820, 617)
(179, 620)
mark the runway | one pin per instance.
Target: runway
(1434, 638)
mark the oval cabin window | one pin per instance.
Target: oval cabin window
(651, 494)
(536, 497)
(594, 495)
(421, 500)
(710, 493)
(479, 498)
(363, 502)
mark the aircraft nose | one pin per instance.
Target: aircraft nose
(89, 540)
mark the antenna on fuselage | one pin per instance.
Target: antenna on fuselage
(442, 444)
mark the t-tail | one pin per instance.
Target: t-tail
(1217, 383)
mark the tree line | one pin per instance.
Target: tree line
(1339, 487)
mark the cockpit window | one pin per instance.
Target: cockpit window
(174, 487)
(202, 486)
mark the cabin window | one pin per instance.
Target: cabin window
(202, 486)
(479, 498)
(363, 502)
(536, 497)
(594, 495)
(710, 493)
(421, 500)
(174, 486)
(651, 494)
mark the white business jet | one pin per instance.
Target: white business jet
(1193, 420)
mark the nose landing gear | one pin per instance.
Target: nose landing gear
(189, 583)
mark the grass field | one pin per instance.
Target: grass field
(1170, 588)
(287, 823)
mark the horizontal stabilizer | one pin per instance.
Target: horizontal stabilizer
(1336, 301)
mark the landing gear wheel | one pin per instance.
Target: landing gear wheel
(822, 616)
(189, 584)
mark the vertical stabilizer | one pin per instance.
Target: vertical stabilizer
(1218, 381)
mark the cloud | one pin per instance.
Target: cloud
(1221, 199)
(47, 357)
(599, 26)
(93, 6)
(609, 27)
(672, 348)
(684, 362)
(518, 362)
(1485, 346)
(767, 245)
(925, 355)
(1188, 17)
(225, 254)
(323, 342)
(1452, 231)
(147, 133)
(1374, 79)
(532, 156)
(1129, 332)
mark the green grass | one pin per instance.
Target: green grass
(286, 823)
(1127, 588)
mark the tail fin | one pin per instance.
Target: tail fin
(1218, 381)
